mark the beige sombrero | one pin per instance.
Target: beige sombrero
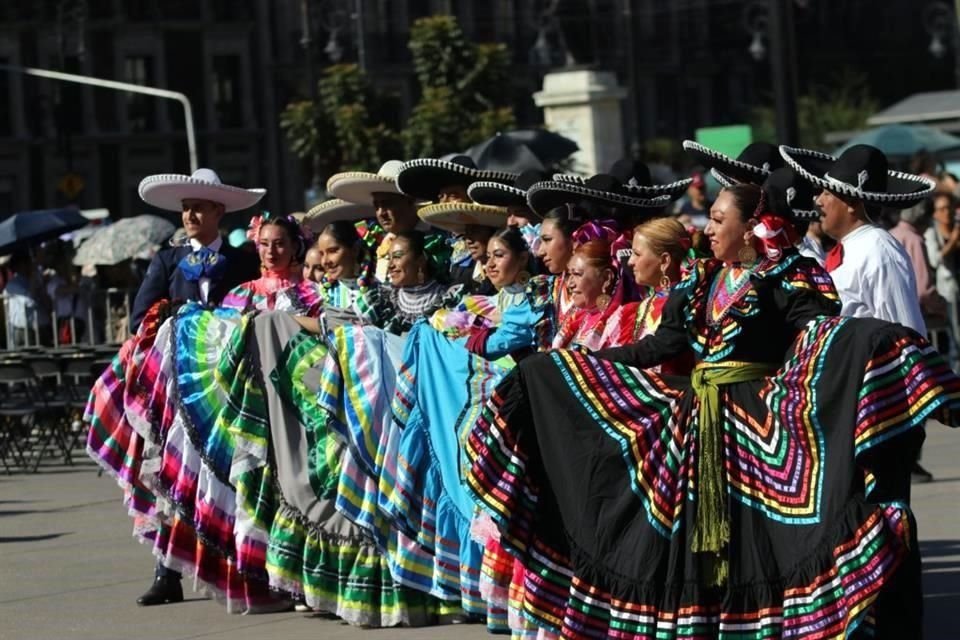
(167, 191)
(359, 186)
(334, 210)
(456, 216)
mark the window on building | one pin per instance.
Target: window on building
(141, 109)
(6, 111)
(226, 94)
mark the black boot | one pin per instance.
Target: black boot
(919, 475)
(164, 590)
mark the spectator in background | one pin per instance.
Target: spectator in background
(694, 208)
(26, 302)
(923, 163)
(942, 240)
(313, 265)
(908, 231)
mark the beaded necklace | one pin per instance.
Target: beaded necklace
(730, 286)
(642, 318)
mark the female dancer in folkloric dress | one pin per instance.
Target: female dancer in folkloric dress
(289, 454)
(758, 498)
(197, 353)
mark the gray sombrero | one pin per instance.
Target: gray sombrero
(334, 210)
(359, 186)
(456, 216)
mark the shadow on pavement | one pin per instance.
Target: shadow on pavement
(45, 536)
(941, 586)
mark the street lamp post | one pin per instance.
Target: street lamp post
(306, 43)
(940, 20)
(772, 20)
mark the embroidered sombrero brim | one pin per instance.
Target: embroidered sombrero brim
(359, 186)
(496, 194)
(724, 181)
(903, 189)
(545, 196)
(673, 189)
(168, 191)
(732, 169)
(334, 210)
(424, 177)
(456, 216)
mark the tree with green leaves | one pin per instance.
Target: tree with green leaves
(344, 130)
(462, 100)
(842, 105)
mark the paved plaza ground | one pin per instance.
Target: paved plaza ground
(69, 567)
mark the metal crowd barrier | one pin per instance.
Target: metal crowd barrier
(33, 336)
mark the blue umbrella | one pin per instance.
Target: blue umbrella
(905, 140)
(27, 228)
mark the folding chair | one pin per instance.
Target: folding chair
(53, 421)
(78, 379)
(18, 409)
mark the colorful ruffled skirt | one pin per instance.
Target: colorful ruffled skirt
(589, 470)
(286, 471)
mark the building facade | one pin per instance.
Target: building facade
(686, 63)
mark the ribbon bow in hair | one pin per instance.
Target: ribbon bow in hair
(775, 234)
(596, 230)
(203, 263)
(253, 230)
(438, 253)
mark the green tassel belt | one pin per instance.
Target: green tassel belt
(712, 528)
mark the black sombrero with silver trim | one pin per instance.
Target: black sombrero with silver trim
(498, 194)
(602, 190)
(636, 179)
(791, 196)
(752, 165)
(423, 178)
(861, 173)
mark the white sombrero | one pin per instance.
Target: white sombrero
(334, 210)
(168, 191)
(456, 216)
(359, 186)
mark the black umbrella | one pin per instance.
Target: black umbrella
(522, 150)
(27, 228)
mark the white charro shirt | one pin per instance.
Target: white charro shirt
(204, 284)
(876, 280)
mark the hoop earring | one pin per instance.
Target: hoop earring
(664, 278)
(603, 301)
(747, 255)
(523, 278)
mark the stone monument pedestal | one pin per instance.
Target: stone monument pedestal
(584, 105)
